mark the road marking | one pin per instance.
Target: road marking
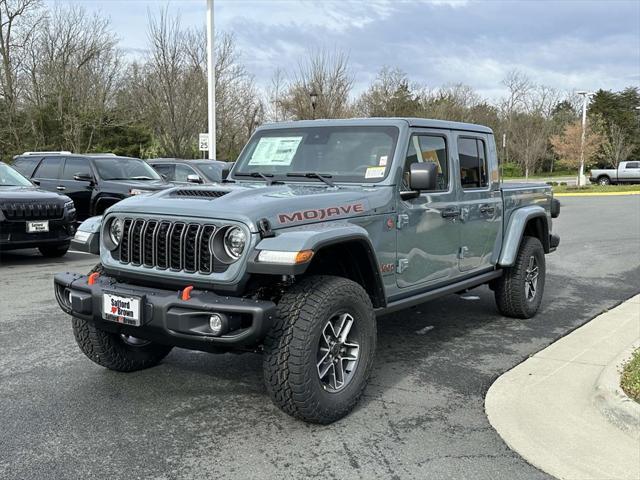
(78, 251)
(594, 194)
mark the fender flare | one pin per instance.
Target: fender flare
(315, 239)
(515, 231)
(104, 198)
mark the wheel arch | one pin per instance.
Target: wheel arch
(344, 250)
(526, 221)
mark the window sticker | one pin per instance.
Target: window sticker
(275, 151)
(375, 172)
(383, 161)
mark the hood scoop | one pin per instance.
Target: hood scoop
(198, 193)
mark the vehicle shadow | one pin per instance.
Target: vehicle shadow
(32, 257)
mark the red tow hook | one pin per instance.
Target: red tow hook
(93, 277)
(186, 293)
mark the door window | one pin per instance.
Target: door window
(165, 169)
(182, 171)
(428, 148)
(49, 168)
(632, 165)
(26, 165)
(74, 166)
(473, 162)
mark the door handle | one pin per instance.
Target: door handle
(61, 188)
(487, 209)
(450, 213)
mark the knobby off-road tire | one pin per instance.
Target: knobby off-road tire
(114, 351)
(54, 251)
(519, 291)
(296, 353)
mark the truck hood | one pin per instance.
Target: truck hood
(282, 205)
(21, 194)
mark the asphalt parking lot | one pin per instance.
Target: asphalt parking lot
(208, 416)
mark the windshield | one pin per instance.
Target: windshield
(10, 178)
(114, 168)
(349, 154)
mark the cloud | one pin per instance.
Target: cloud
(564, 44)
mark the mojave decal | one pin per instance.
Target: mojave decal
(320, 213)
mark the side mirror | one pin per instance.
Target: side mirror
(423, 176)
(83, 177)
(194, 178)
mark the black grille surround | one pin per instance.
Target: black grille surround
(179, 246)
(32, 210)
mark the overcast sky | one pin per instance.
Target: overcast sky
(571, 44)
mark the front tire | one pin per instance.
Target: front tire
(519, 291)
(54, 251)
(319, 353)
(122, 353)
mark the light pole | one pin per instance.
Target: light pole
(211, 81)
(586, 96)
(313, 96)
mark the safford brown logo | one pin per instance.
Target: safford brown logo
(320, 213)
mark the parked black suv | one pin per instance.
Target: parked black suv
(93, 181)
(177, 170)
(33, 218)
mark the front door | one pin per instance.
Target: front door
(80, 191)
(428, 225)
(480, 201)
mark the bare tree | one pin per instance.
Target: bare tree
(327, 74)
(18, 21)
(390, 95)
(275, 94)
(616, 145)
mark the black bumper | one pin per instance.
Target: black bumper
(166, 318)
(13, 235)
(554, 241)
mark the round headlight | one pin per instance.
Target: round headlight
(115, 231)
(234, 242)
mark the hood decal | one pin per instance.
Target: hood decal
(321, 213)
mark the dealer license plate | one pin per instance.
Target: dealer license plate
(37, 227)
(117, 308)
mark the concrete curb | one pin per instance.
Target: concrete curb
(611, 400)
(595, 194)
(546, 410)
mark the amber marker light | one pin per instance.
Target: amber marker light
(285, 258)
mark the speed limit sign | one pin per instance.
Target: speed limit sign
(203, 142)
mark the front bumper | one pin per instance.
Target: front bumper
(166, 318)
(13, 234)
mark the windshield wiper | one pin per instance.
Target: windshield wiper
(267, 177)
(320, 176)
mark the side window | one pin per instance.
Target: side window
(632, 165)
(74, 166)
(26, 165)
(182, 171)
(49, 168)
(473, 162)
(428, 148)
(164, 169)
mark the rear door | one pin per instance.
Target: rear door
(47, 175)
(428, 227)
(630, 172)
(79, 191)
(480, 200)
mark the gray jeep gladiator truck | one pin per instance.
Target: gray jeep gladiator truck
(321, 227)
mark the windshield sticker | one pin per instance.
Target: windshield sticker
(275, 151)
(375, 172)
(320, 213)
(383, 161)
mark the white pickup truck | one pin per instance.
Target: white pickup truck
(627, 172)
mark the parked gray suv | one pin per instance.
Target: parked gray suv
(328, 224)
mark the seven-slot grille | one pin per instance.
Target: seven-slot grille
(32, 211)
(169, 245)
